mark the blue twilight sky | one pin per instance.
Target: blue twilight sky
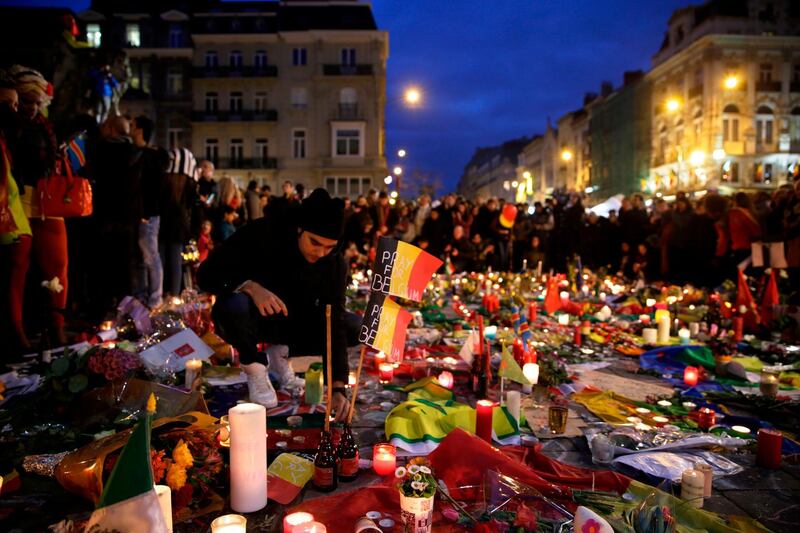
(492, 70)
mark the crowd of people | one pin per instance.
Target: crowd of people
(150, 203)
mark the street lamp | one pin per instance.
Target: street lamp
(697, 158)
(566, 154)
(412, 96)
(718, 154)
(672, 105)
(397, 171)
(731, 81)
(387, 180)
(401, 153)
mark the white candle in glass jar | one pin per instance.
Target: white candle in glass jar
(193, 369)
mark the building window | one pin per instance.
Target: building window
(730, 124)
(235, 59)
(133, 36)
(730, 171)
(796, 73)
(260, 102)
(236, 102)
(299, 57)
(765, 72)
(174, 81)
(93, 35)
(348, 103)
(260, 59)
(175, 36)
(767, 172)
(174, 138)
(344, 186)
(299, 97)
(212, 59)
(261, 151)
(764, 125)
(212, 151)
(348, 142)
(212, 104)
(236, 153)
(348, 57)
(299, 144)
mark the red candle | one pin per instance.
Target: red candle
(706, 418)
(518, 351)
(483, 420)
(769, 448)
(690, 376)
(380, 358)
(576, 338)
(386, 372)
(738, 328)
(533, 309)
(530, 356)
(384, 459)
(446, 379)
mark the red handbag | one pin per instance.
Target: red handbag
(65, 195)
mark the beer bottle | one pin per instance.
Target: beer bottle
(325, 464)
(348, 455)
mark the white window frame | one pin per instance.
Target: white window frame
(211, 102)
(211, 59)
(94, 35)
(174, 81)
(236, 102)
(299, 143)
(299, 97)
(236, 152)
(340, 186)
(261, 149)
(235, 59)
(348, 57)
(133, 35)
(260, 101)
(336, 127)
(212, 150)
(260, 59)
(299, 56)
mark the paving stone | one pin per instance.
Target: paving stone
(779, 510)
(757, 478)
(718, 503)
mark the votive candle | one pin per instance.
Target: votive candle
(769, 448)
(446, 379)
(644, 319)
(380, 358)
(650, 335)
(484, 410)
(563, 319)
(248, 458)
(290, 521)
(690, 375)
(384, 459)
(193, 369)
(230, 523)
(683, 335)
(386, 372)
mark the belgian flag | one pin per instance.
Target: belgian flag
(402, 269)
(384, 326)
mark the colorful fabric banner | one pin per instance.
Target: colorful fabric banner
(76, 152)
(402, 269)
(509, 368)
(384, 326)
(428, 389)
(286, 476)
(467, 352)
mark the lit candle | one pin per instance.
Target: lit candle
(351, 379)
(650, 335)
(663, 331)
(644, 319)
(230, 523)
(692, 487)
(513, 404)
(741, 430)
(660, 421)
(533, 310)
(643, 411)
(585, 290)
(564, 297)
(690, 375)
(384, 459)
(706, 418)
(446, 379)
(769, 448)
(490, 332)
(664, 403)
(531, 372)
(386, 372)
(290, 521)
(738, 328)
(694, 328)
(310, 527)
(248, 461)
(602, 296)
(683, 335)
(483, 419)
(165, 501)
(193, 369)
(650, 302)
(517, 350)
(689, 406)
(380, 358)
(563, 319)
(769, 383)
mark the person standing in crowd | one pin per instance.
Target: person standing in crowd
(570, 229)
(423, 210)
(228, 228)
(521, 235)
(280, 205)
(702, 245)
(383, 215)
(204, 242)
(207, 189)
(152, 166)
(15, 229)
(252, 201)
(178, 197)
(679, 236)
(33, 157)
(791, 225)
(743, 227)
(461, 251)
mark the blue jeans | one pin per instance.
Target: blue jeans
(152, 272)
(173, 266)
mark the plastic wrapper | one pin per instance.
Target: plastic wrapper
(130, 306)
(670, 465)
(629, 440)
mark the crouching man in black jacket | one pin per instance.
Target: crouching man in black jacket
(273, 279)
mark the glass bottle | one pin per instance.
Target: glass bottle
(325, 465)
(348, 455)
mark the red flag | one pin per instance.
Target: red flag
(770, 299)
(552, 300)
(745, 298)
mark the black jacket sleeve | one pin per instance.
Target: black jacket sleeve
(226, 267)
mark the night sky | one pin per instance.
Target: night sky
(492, 70)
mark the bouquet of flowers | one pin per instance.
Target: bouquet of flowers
(416, 480)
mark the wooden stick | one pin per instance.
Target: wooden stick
(355, 387)
(329, 369)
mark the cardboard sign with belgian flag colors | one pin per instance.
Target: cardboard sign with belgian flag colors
(402, 269)
(384, 326)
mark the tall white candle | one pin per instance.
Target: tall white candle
(692, 487)
(193, 368)
(663, 331)
(694, 328)
(513, 404)
(650, 335)
(531, 371)
(683, 334)
(165, 501)
(248, 463)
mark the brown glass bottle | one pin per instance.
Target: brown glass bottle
(348, 455)
(325, 465)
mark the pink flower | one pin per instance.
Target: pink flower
(591, 526)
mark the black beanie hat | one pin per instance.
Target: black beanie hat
(322, 215)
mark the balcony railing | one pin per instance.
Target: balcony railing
(347, 70)
(247, 162)
(268, 115)
(268, 71)
(768, 86)
(696, 91)
(348, 112)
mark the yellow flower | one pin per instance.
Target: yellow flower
(182, 456)
(176, 477)
(151, 404)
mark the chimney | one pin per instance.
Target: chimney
(632, 76)
(606, 88)
(589, 98)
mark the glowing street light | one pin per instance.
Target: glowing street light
(401, 153)
(566, 155)
(387, 180)
(393, 194)
(515, 184)
(731, 81)
(412, 96)
(526, 175)
(718, 154)
(697, 158)
(673, 104)
(397, 171)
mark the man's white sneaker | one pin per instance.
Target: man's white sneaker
(281, 367)
(259, 388)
